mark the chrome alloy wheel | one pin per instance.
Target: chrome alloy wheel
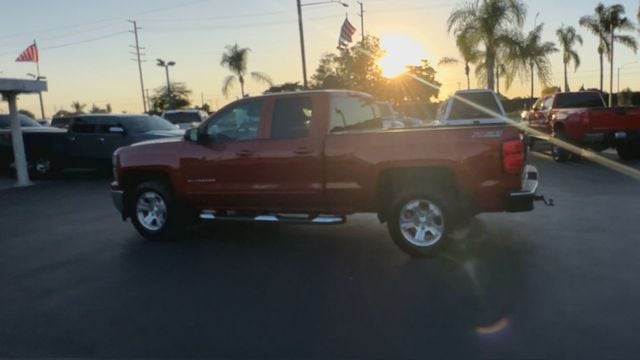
(151, 211)
(422, 223)
(43, 166)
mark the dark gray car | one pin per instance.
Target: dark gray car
(89, 141)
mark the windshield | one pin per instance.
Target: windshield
(183, 117)
(25, 121)
(141, 124)
(463, 110)
(579, 100)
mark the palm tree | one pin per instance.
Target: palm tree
(469, 54)
(600, 25)
(487, 23)
(567, 38)
(532, 56)
(235, 60)
(77, 107)
(616, 20)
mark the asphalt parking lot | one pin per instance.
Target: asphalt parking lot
(558, 282)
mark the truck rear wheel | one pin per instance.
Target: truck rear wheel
(420, 222)
(154, 212)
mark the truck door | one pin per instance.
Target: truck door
(221, 170)
(290, 175)
(539, 119)
(111, 135)
(79, 142)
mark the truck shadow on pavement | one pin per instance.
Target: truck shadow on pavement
(354, 283)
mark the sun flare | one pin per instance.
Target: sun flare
(401, 50)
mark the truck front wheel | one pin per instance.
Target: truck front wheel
(154, 212)
(420, 223)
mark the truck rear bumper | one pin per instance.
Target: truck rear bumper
(611, 138)
(522, 200)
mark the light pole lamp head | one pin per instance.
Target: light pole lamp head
(160, 62)
(171, 63)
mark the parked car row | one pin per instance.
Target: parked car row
(88, 142)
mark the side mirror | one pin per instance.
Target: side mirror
(117, 130)
(192, 135)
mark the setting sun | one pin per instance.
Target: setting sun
(401, 50)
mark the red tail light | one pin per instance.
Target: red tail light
(513, 156)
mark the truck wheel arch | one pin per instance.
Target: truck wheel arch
(395, 180)
(132, 179)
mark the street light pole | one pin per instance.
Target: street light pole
(166, 66)
(302, 51)
(621, 67)
(301, 29)
(361, 20)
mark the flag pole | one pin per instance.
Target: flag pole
(38, 78)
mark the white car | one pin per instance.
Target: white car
(185, 119)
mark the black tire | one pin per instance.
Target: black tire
(174, 219)
(628, 152)
(558, 153)
(446, 221)
(42, 167)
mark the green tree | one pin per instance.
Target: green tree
(469, 54)
(487, 24)
(417, 85)
(77, 107)
(235, 60)
(329, 74)
(601, 23)
(98, 110)
(286, 87)
(568, 38)
(531, 57)
(355, 68)
(179, 95)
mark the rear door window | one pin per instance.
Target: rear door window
(83, 126)
(354, 113)
(291, 118)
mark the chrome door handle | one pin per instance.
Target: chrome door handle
(245, 153)
(303, 151)
(73, 138)
(101, 139)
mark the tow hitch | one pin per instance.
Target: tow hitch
(547, 202)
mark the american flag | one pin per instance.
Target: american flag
(30, 54)
(346, 33)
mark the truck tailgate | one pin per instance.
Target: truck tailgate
(613, 119)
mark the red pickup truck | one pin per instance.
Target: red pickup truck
(315, 157)
(583, 119)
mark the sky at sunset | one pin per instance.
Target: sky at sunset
(84, 44)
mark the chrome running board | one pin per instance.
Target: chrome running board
(276, 218)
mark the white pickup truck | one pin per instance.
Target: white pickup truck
(457, 110)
